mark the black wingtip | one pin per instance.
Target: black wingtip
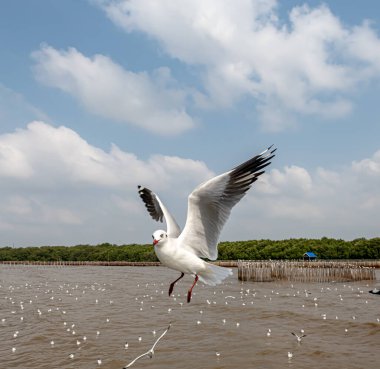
(270, 149)
(151, 203)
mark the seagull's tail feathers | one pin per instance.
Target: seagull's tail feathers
(214, 274)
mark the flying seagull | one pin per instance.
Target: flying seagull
(150, 352)
(209, 207)
(299, 338)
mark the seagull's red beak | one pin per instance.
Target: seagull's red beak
(155, 242)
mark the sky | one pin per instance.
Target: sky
(99, 96)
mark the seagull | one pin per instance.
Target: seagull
(375, 291)
(150, 352)
(209, 206)
(299, 338)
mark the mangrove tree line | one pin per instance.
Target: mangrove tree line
(325, 248)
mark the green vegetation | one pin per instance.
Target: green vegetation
(102, 252)
(325, 248)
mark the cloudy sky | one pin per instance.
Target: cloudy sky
(98, 96)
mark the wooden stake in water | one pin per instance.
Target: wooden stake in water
(303, 271)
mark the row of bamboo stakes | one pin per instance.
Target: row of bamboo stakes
(81, 263)
(224, 263)
(259, 271)
(304, 271)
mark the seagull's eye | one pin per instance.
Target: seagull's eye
(152, 236)
(161, 235)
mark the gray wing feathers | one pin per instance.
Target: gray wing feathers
(210, 204)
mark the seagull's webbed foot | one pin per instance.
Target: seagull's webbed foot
(191, 289)
(172, 284)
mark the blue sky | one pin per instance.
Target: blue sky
(99, 96)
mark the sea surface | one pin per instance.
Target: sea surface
(104, 317)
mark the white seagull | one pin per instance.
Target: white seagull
(375, 291)
(209, 207)
(299, 337)
(150, 352)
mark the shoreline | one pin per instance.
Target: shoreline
(230, 264)
(375, 263)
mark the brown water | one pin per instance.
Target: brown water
(64, 304)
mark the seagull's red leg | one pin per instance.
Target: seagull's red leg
(191, 289)
(172, 285)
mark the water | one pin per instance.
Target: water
(64, 304)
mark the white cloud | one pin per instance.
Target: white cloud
(292, 179)
(369, 167)
(364, 46)
(295, 202)
(308, 65)
(57, 188)
(57, 156)
(149, 101)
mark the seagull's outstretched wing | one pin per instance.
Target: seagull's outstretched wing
(298, 337)
(158, 211)
(162, 335)
(148, 353)
(210, 204)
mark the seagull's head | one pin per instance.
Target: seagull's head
(159, 236)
